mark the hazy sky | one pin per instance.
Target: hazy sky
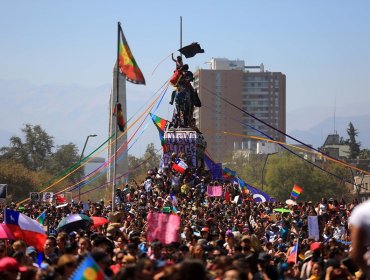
(321, 46)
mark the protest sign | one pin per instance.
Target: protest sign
(313, 227)
(214, 190)
(48, 197)
(163, 227)
(85, 206)
(34, 196)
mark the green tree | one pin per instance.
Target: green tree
(64, 157)
(354, 146)
(21, 180)
(29, 162)
(34, 152)
(364, 154)
(287, 170)
(134, 167)
(251, 168)
(151, 157)
(139, 166)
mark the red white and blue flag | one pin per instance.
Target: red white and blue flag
(292, 258)
(179, 166)
(25, 228)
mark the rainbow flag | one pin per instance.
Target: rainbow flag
(127, 63)
(296, 191)
(88, 270)
(41, 218)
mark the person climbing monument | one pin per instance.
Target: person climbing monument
(178, 61)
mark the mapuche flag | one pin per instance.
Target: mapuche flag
(119, 114)
(127, 63)
(89, 270)
(161, 125)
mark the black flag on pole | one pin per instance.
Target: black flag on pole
(191, 50)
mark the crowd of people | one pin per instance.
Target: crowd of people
(219, 237)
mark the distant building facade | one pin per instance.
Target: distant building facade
(93, 164)
(361, 189)
(334, 148)
(258, 92)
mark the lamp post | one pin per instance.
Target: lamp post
(263, 168)
(81, 157)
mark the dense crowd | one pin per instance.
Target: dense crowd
(219, 237)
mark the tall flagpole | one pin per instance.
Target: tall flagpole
(181, 32)
(115, 129)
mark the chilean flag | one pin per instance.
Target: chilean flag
(60, 199)
(292, 258)
(179, 166)
(26, 229)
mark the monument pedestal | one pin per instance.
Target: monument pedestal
(187, 141)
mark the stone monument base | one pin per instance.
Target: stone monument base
(187, 141)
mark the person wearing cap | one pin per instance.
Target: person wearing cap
(31, 253)
(10, 268)
(307, 265)
(230, 241)
(205, 233)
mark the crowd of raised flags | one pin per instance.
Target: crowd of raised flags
(288, 234)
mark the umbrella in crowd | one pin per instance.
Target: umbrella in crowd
(5, 232)
(74, 222)
(99, 221)
(290, 202)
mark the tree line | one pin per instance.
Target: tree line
(32, 160)
(277, 174)
(29, 163)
